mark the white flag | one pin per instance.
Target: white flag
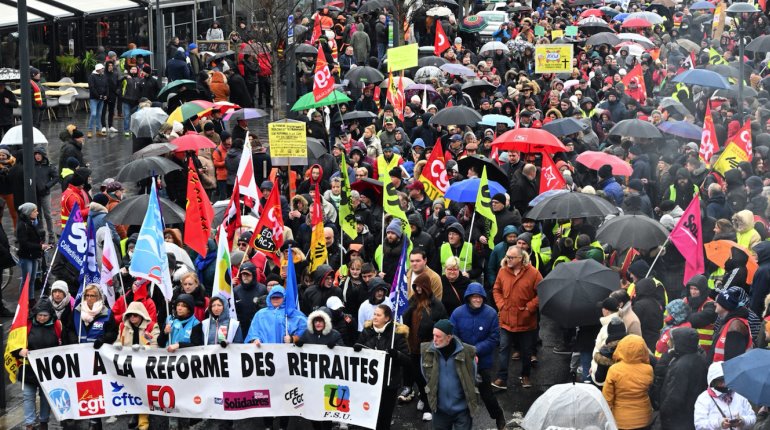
(247, 184)
(110, 268)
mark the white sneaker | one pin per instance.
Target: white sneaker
(343, 426)
(113, 130)
(427, 416)
(104, 129)
(420, 405)
(112, 419)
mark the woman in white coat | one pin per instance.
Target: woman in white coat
(721, 408)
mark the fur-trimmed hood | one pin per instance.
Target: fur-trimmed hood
(319, 313)
(400, 328)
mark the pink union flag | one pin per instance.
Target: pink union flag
(687, 236)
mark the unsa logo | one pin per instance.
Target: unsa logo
(60, 399)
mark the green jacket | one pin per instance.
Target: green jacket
(458, 390)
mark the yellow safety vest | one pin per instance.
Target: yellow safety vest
(465, 252)
(383, 167)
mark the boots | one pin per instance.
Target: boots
(143, 422)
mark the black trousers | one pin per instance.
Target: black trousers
(108, 112)
(413, 374)
(487, 395)
(387, 406)
(263, 83)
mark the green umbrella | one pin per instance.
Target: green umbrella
(171, 85)
(308, 101)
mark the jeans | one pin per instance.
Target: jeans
(44, 205)
(128, 109)
(381, 49)
(526, 342)
(95, 120)
(457, 421)
(28, 267)
(28, 394)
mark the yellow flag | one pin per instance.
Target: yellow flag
(715, 57)
(484, 207)
(17, 336)
(347, 216)
(730, 158)
(318, 254)
(390, 204)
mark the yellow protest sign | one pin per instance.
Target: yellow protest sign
(555, 34)
(403, 57)
(287, 139)
(730, 158)
(553, 58)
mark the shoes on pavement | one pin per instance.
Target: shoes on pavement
(101, 134)
(127, 134)
(525, 382)
(113, 130)
(562, 350)
(406, 395)
(500, 423)
(89, 135)
(499, 384)
(427, 416)
(420, 405)
(104, 130)
(516, 355)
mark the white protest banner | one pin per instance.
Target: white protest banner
(240, 381)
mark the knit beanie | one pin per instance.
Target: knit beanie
(616, 330)
(730, 298)
(499, 197)
(445, 325)
(395, 227)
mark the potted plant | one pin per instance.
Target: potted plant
(68, 64)
(89, 61)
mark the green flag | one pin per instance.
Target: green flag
(484, 207)
(391, 205)
(347, 216)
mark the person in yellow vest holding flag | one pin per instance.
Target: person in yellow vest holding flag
(457, 246)
(386, 162)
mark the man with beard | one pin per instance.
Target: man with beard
(378, 294)
(387, 255)
(682, 190)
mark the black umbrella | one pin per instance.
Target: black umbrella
(475, 87)
(359, 114)
(456, 115)
(632, 231)
(635, 128)
(673, 104)
(316, 147)
(431, 60)
(305, 49)
(181, 98)
(364, 74)
(602, 39)
(146, 167)
(572, 205)
(725, 70)
(478, 163)
(760, 44)
(131, 211)
(375, 5)
(571, 292)
(565, 126)
(154, 150)
(701, 19)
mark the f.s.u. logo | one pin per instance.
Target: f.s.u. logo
(78, 237)
(337, 398)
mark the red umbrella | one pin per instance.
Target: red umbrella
(529, 140)
(225, 106)
(192, 142)
(368, 184)
(591, 12)
(636, 23)
(595, 159)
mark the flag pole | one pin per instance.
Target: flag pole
(48, 272)
(662, 247)
(470, 231)
(382, 242)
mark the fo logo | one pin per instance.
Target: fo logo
(90, 398)
(60, 399)
(337, 398)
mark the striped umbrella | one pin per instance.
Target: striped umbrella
(187, 111)
(473, 24)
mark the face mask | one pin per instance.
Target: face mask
(130, 254)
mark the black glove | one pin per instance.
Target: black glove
(393, 353)
(98, 343)
(299, 343)
(223, 343)
(358, 347)
(331, 344)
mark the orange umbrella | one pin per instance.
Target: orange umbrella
(718, 252)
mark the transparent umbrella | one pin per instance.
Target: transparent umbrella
(574, 406)
(146, 121)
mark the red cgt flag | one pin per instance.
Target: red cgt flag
(316, 30)
(434, 175)
(441, 43)
(199, 213)
(550, 177)
(268, 235)
(709, 144)
(323, 83)
(637, 73)
(743, 139)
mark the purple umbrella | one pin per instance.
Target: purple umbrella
(457, 69)
(421, 90)
(245, 114)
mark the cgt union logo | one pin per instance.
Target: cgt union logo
(90, 398)
(295, 397)
(161, 398)
(336, 402)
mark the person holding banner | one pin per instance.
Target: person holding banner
(381, 333)
(183, 330)
(220, 328)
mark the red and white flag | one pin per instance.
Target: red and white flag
(441, 43)
(247, 184)
(687, 236)
(395, 96)
(323, 83)
(550, 177)
(232, 219)
(434, 176)
(110, 268)
(316, 29)
(268, 235)
(688, 63)
(709, 144)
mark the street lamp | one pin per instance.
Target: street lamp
(736, 10)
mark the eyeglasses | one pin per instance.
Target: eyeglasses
(513, 257)
(452, 269)
(91, 296)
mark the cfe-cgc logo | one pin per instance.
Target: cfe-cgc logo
(295, 397)
(60, 399)
(238, 401)
(337, 402)
(90, 398)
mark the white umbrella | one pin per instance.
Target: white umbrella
(638, 38)
(13, 137)
(651, 17)
(425, 74)
(574, 406)
(439, 11)
(494, 45)
(180, 254)
(591, 20)
(147, 121)
(571, 83)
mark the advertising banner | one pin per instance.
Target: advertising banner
(240, 381)
(553, 58)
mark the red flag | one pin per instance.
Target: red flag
(232, 220)
(763, 5)
(199, 213)
(323, 83)
(550, 177)
(17, 335)
(687, 64)
(441, 43)
(518, 116)
(268, 235)
(395, 96)
(449, 104)
(743, 139)
(637, 74)
(434, 175)
(316, 29)
(687, 236)
(709, 144)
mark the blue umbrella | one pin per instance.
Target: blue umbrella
(492, 120)
(749, 375)
(545, 195)
(134, 52)
(466, 191)
(620, 17)
(704, 78)
(681, 129)
(702, 5)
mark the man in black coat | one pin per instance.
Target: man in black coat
(524, 187)
(684, 379)
(503, 215)
(239, 91)
(7, 103)
(72, 148)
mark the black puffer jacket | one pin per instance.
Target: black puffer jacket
(247, 295)
(317, 295)
(30, 238)
(649, 311)
(98, 87)
(45, 174)
(394, 363)
(40, 336)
